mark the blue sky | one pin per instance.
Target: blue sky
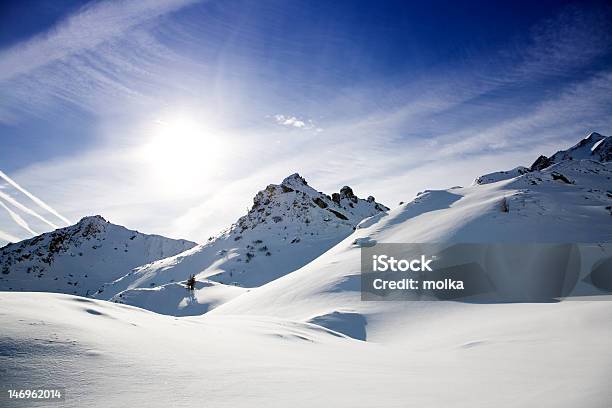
(168, 115)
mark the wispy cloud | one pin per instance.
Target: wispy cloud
(91, 26)
(89, 62)
(569, 40)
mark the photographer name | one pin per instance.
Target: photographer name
(385, 263)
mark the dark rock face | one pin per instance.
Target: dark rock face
(337, 214)
(541, 163)
(347, 191)
(318, 201)
(558, 176)
(604, 150)
(286, 189)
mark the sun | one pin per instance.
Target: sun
(181, 149)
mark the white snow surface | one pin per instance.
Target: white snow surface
(305, 338)
(441, 354)
(176, 300)
(501, 175)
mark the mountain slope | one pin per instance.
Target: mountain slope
(593, 147)
(289, 225)
(570, 201)
(80, 258)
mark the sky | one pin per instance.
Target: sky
(167, 116)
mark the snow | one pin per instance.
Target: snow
(292, 330)
(174, 298)
(80, 258)
(288, 226)
(440, 354)
(501, 175)
(592, 147)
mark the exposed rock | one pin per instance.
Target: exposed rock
(558, 176)
(338, 214)
(541, 163)
(318, 201)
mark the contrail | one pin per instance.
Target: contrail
(37, 200)
(17, 218)
(5, 236)
(25, 209)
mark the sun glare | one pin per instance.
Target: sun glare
(182, 150)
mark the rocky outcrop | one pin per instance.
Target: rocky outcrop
(541, 162)
(295, 201)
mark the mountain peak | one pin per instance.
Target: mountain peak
(594, 136)
(594, 146)
(295, 202)
(294, 180)
(92, 219)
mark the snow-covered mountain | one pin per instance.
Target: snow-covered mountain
(267, 342)
(80, 258)
(568, 201)
(593, 147)
(289, 225)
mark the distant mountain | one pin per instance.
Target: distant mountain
(289, 225)
(80, 258)
(593, 147)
